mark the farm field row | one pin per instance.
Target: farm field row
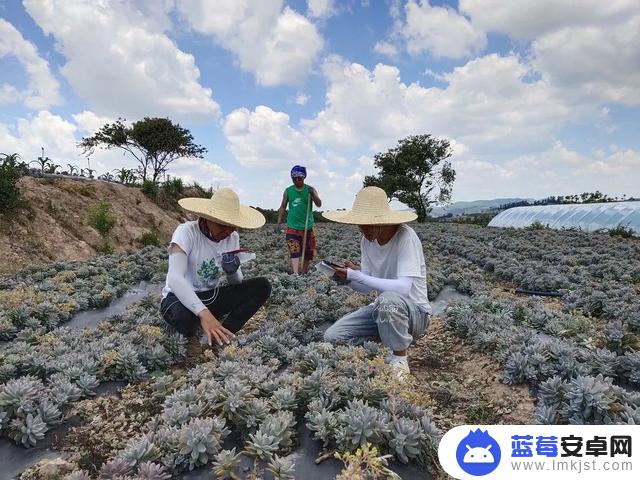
(577, 356)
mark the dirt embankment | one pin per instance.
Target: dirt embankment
(53, 224)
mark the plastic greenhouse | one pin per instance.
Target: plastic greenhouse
(584, 216)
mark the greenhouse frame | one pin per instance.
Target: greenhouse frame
(588, 217)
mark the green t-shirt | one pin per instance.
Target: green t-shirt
(298, 201)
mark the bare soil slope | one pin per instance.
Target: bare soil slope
(53, 224)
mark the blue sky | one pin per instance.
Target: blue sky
(537, 97)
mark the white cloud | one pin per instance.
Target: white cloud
(29, 135)
(604, 66)
(120, 61)
(203, 171)
(622, 163)
(529, 19)
(42, 89)
(440, 31)
(278, 46)
(321, 8)
(487, 103)
(386, 48)
(587, 49)
(89, 123)
(557, 170)
(302, 99)
(264, 139)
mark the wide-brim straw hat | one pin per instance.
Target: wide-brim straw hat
(224, 207)
(371, 207)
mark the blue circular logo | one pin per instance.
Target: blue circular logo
(478, 453)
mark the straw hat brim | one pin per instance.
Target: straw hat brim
(247, 217)
(352, 217)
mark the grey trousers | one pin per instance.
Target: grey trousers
(392, 319)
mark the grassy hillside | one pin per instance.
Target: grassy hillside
(52, 225)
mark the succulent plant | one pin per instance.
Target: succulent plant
(28, 431)
(545, 414)
(235, 395)
(16, 392)
(254, 412)
(261, 445)
(128, 366)
(588, 400)
(87, 384)
(227, 464)
(323, 423)
(49, 412)
(114, 469)
(78, 475)
(201, 439)
(279, 425)
(139, 450)
(358, 424)
(284, 398)
(281, 468)
(64, 391)
(405, 439)
(152, 471)
(629, 365)
(156, 358)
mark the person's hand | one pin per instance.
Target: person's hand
(351, 265)
(214, 329)
(341, 273)
(230, 263)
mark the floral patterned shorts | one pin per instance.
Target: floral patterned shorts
(294, 243)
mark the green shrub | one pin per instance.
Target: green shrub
(481, 219)
(106, 247)
(100, 217)
(11, 169)
(537, 225)
(622, 231)
(150, 189)
(199, 191)
(173, 188)
(150, 239)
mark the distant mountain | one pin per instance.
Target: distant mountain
(477, 206)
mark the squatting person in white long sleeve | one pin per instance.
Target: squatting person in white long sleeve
(199, 255)
(392, 263)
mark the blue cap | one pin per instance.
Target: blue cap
(299, 171)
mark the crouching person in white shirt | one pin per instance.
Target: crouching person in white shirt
(201, 254)
(392, 263)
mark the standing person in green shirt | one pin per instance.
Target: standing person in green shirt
(298, 198)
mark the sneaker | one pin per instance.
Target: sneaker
(399, 364)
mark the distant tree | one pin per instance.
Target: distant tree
(197, 190)
(11, 169)
(416, 172)
(521, 203)
(52, 168)
(125, 176)
(270, 215)
(153, 142)
(73, 169)
(42, 161)
(585, 197)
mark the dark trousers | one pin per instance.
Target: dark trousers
(238, 302)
